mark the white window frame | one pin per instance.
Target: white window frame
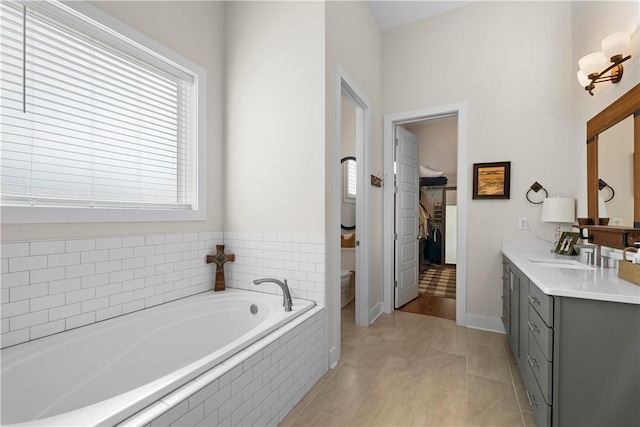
(43, 214)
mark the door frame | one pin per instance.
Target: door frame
(345, 86)
(390, 121)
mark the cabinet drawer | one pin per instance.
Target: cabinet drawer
(541, 368)
(541, 411)
(542, 334)
(542, 302)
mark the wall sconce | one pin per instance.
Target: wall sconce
(602, 185)
(536, 187)
(613, 48)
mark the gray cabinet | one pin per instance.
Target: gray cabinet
(579, 359)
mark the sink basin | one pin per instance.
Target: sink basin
(560, 263)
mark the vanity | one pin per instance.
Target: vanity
(574, 331)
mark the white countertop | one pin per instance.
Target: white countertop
(600, 284)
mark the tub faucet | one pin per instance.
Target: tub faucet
(286, 295)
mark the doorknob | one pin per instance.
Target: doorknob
(357, 242)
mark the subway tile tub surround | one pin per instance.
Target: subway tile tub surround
(56, 285)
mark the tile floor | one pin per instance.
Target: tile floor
(415, 370)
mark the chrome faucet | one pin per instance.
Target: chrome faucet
(286, 295)
(594, 257)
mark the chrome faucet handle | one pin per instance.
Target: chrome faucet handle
(605, 261)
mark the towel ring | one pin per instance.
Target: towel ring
(536, 187)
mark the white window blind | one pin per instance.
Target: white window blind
(90, 119)
(350, 182)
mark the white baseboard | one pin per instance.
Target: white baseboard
(375, 312)
(485, 323)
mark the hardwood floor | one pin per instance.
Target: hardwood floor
(432, 306)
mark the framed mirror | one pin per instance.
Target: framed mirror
(613, 146)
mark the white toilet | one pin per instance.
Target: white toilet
(345, 279)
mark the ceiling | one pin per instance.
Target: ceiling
(391, 14)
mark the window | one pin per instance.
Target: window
(92, 119)
(349, 172)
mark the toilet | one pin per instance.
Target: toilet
(345, 279)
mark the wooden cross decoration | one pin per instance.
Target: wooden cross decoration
(219, 259)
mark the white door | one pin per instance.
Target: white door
(406, 217)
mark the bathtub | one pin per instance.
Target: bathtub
(108, 371)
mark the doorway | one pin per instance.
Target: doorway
(347, 91)
(460, 195)
(437, 213)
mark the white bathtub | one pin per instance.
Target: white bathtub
(108, 371)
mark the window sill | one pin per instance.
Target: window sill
(51, 215)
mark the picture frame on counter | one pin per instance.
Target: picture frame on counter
(566, 243)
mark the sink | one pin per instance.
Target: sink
(560, 263)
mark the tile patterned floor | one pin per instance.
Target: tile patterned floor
(415, 370)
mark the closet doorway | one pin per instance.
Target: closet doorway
(442, 135)
(437, 213)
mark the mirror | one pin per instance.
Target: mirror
(615, 173)
(348, 211)
(606, 152)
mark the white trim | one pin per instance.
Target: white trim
(390, 120)
(484, 323)
(356, 97)
(30, 215)
(375, 312)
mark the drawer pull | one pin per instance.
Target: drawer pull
(533, 328)
(532, 362)
(533, 300)
(532, 399)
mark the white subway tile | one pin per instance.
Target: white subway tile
(140, 273)
(143, 251)
(121, 298)
(163, 249)
(121, 253)
(227, 408)
(173, 238)
(108, 243)
(81, 295)
(95, 280)
(164, 268)
(73, 271)
(154, 239)
(80, 320)
(94, 304)
(14, 250)
(10, 280)
(132, 285)
(49, 301)
(80, 245)
(27, 263)
(46, 329)
(65, 285)
(212, 403)
(108, 266)
(205, 235)
(15, 337)
(46, 275)
(154, 300)
(27, 320)
(28, 291)
(94, 256)
(132, 263)
(14, 308)
(120, 276)
(142, 293)
(64, 311)
(318, 239)
(106, 290)
(4, 326)
(173, 295)
(4, 295)
(47, 247)
(189, 237)
(4, 265)
(132, 306)
(181, 247)
(131, 241)
(108, 313)
(153, 260)
(62, 260)
(153, 280)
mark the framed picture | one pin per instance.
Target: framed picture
(566, 242)
(491, 180)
